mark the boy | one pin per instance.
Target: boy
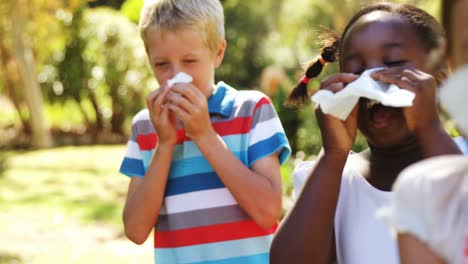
(204, 159)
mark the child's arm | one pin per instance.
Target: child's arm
(145, 195)
(413, 250)
(421, 118)
(306, 235)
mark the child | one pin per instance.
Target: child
(204, 159)
(429, 209)
(335, 213)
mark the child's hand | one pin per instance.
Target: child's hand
(191, 106)
(422, 115)
(164, 120)
(337, 135)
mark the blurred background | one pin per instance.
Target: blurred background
(72, 75)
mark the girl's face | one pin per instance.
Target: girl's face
(382, 39)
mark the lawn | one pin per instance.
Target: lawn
(64, 205)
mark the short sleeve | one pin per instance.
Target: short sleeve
(430, 201)
(300, 174)
(267, 134)
(132, 164)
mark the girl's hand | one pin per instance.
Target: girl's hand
(191, 107)
(422, 115)
(164, 120)
(337, 135)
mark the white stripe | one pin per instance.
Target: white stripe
(197, 200)
(248, 97)
(133, 150)
(264, 130)
(142, 115)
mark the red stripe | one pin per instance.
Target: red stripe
(210, 234)
(147, 142)
(261, 102)
(240, 125)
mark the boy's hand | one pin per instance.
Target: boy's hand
(191, 106)
(422, 115)
(338, 136)
(164, 120)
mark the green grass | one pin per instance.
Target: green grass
(64, 205)
(81, 182)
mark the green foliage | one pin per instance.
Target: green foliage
(119, 63)
(104, 63)
(131, 9)
(247, 26)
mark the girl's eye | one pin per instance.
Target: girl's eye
(190, 61)
(358, 72)
(395, 63)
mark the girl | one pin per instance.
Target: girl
(334, 215)
(429, 209)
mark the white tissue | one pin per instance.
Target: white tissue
(180, 77)
(341, 104)
(453, 96)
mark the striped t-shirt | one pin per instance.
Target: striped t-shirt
(200, 221)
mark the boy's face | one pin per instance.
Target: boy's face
(460, 34)
(186, 51)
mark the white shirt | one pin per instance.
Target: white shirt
(360, 237)
(431, 202)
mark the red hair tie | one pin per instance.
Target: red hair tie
(322, 60)
(305, 80)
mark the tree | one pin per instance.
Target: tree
(23, 52)
(9, 72)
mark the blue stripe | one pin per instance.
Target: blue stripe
(193, 183)
(264, 148)
(215, 251)
(189, 149)
(182, 168)
(132, 167)
(193, 161)
(254, 259)
(146, 156)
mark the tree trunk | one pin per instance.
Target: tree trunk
(40, 131)
(118, 117)
(9, 82)
(99, 125)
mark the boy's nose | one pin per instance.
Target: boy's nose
(175, 69)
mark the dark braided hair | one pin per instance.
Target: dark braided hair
(429, 31)
(329, 53)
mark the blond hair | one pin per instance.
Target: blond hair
(172, 15)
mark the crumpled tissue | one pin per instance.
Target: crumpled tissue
(341, 104)
(180, 77)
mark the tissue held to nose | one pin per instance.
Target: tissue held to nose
(341, 104)
(180, 77)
